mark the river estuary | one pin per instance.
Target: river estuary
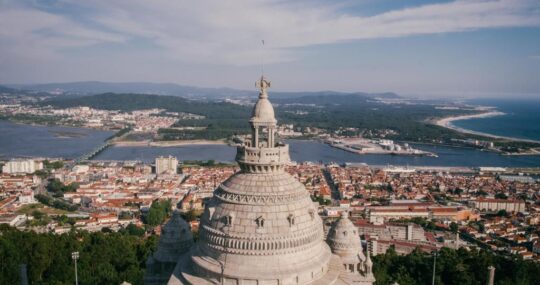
(17, 140)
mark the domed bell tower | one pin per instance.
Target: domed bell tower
(263, 154)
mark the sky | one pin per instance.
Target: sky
(463, 48)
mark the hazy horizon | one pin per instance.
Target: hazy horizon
(448, 96)
(421, 48)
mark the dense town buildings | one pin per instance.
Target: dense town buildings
(150, 120)
(375, 198)
(387, 205)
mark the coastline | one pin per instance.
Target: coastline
(168, 143)
(448, 123)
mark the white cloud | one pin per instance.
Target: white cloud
(30, 34)
(229, 32)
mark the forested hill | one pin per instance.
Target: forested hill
(12, 92)
(4, 89)
(96, 87)
(325, 99)
(327, 96)
(222, 119)
(332, 112)
(329, 111)
(130, 102)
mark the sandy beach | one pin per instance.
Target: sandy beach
(170, 143)
(447, 123)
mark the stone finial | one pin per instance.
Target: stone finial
(369, 263)
(263, 84)
(368, 267)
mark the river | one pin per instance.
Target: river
(314, 151)
(17, 140)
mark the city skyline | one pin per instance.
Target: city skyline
(418, 48)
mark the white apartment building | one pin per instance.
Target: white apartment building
(21, 166)
(166, 165)
(494, 205)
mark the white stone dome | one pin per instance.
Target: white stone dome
(263, 112)
(262, 227)
(344, 240)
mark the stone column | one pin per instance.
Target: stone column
(270, 137)
(491, 275)
(256, 137)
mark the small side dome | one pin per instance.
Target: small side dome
(344, 240)
(176, 238)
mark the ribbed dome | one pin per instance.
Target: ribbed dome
(275, 184)
(344, 240)
(176, 238)
(262, 226)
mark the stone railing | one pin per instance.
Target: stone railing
(262, 159)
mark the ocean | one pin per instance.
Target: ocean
(521, 119)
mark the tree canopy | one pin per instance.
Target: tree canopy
(105, 258)
(58, 188)
(111, 258)
(454, 267)
(158, 212)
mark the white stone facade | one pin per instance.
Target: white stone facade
(261, 227)
(22, 166)
(494, 205)
(166, 165)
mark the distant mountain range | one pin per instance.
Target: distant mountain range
(192, 92)
(4, 89)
